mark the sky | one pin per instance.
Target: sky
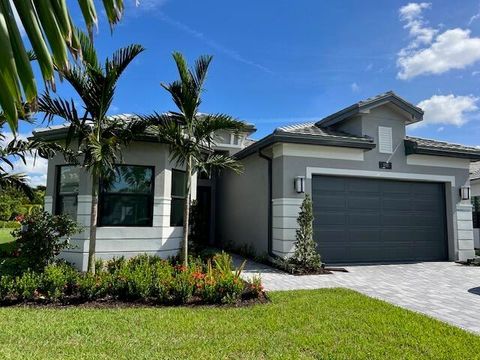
(283, 62)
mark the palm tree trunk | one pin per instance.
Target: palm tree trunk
(186, 211)
(93, 226)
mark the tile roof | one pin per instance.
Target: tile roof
(475, 170)
(442, 145)
(311, 129)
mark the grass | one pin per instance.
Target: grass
(315, 324)
(6, 240)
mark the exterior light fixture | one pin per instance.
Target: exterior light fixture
(299, 184)
(465, 192)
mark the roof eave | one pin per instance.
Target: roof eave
(412, 147)
(303, 139)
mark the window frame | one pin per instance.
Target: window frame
(58, 196)
(184, 198)
(150, 196)
(475, 212)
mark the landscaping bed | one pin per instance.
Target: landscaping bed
(142, 280)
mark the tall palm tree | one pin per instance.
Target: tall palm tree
(190, 134)
(49, 29)
(99, 138)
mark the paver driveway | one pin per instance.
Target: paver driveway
(443, 290)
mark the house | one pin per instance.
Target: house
(378, 195)
(475, 193)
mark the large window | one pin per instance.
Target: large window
(476, 211)
(67, 190)
(179, 191)
(127, 199)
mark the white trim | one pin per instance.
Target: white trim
(287, 201)
(318, 151)
(380, 175)
(439, 161)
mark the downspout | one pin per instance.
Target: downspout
(269, 205)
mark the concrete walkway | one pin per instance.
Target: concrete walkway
(443, 290)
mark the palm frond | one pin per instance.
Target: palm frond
(208, 125)
(218, 162)
(50, 31)
(16, 181)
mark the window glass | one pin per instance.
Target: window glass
(476, 211)
(67, 190)
(178, 197)
(178, 183)
(130, 179)
(69, 179)
(127, 199)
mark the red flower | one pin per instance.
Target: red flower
(19, 218)
(198, 275)
(180, 268)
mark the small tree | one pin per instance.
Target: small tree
(306, 257)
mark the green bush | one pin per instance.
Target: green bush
(42, 237)
(58, 281)
(91, 287)
(26, 285)
(142, 278)
(9, 224)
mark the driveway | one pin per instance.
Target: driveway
(443, 290)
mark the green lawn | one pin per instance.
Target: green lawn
(6, 240)
(332, 323)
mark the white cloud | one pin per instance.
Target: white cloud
(421, 34)
(34, 167)
(431, 52)
(355, 88)
(448, 110)
(17, 19)
(474, 17)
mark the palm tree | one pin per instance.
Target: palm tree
(99, 138)
(49, 29)
(190, 134)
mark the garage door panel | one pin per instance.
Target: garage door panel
(374, 220)
(358, 218)
(330, 202)
(331, 218)
(366, 203)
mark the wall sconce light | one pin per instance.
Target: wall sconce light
(465, 192)
(299, 184)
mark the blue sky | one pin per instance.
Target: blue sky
(282, 62)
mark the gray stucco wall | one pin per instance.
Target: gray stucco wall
(242, 206)
(288, 167)
(114, 241)
(291, 160)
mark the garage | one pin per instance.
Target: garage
(377, 220)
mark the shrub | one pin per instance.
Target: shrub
(9, 224)
(305, 258)
(26, 286)
(94, 286)
(58, 281)
(7, 287)
(144, 278)
(42, 237)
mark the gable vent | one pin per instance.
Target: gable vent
(385, 140)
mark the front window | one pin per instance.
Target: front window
(67, 190)
(127, 199)
(476, 211)
(179, 191)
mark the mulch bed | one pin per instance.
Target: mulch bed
(248, 298)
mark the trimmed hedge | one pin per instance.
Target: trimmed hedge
(147, 279)
(9, 224)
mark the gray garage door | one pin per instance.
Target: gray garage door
(372, 220)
